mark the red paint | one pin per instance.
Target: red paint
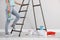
(51, 33)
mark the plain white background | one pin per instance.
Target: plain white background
(51, 9)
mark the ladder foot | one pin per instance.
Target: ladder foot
(19, 35)
(11, 31)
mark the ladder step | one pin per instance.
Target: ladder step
(36, 5)
(23, 11)
(19, 24)
(24, 4)
(22, 17)
(40, 29)
(16, 30)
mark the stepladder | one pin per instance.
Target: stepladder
(39, 4)
(33, 6)
(22, 10)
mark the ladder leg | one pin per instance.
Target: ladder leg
(42, 15)
(21, 7)
(20, 31)
(34, 15)
(23, 20)
(22, 25)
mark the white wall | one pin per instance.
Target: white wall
(2, 14)
(51, 9)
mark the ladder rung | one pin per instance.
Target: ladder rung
(22, 17)
(23, 11)
(24, 4)
(19, 24)
(40, 29)
(36, 5)
(16, 30)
